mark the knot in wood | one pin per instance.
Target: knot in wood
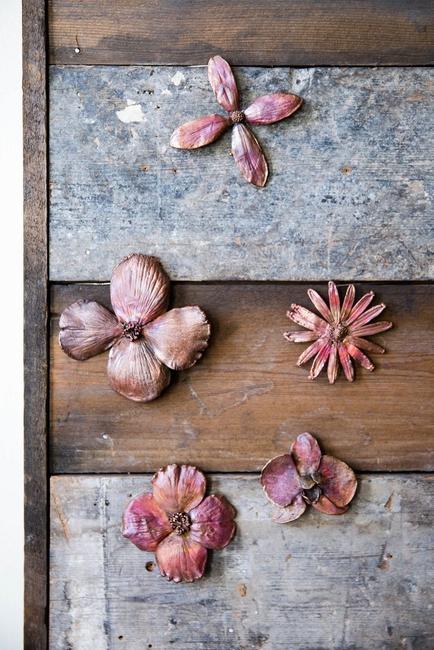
(180, 522)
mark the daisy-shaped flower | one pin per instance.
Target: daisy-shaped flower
(246, 150)
(338, 335)
(305, 476)
(178, 523)
(145, 339)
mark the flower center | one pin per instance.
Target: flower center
(311, 495)
(337, 332)
(237, 117)
(180, 522)
(132, 330)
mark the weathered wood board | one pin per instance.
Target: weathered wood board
(350, 192)
(363, 581)
(246, 399)
(276, 32)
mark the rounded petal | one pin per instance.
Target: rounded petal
(87, 328)
(337, 480)
(144, 523)
(327, 507)
(306, 454)
(281, 481)
(178, 488)
(223, 83)
(213, 523)
(272, 108)
(180, 558)
(139, 289)
(290, 513)
(179, 337)
(135, 372)
(200, 132)
(249, 156)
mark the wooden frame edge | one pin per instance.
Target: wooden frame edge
(35, 324)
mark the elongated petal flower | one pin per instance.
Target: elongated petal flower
(199, 132)
(213, 523)
(249, 156)
(223, 83)
(145, 524)
(320, 360)
(280, 480)
(178, 488)
(272, 108)
(86, 329)
(180, 558)
(358, 356)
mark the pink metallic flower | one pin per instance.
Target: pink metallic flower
(145, 339)
(246, 150)
(339, 335)
(178, 523)
(305, 476)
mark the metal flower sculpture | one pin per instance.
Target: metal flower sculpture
(305, 476)
(339, 335)
(145, 339)
(178, 523)
(246, 150)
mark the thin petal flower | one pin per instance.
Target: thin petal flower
(145, 524)
(306, 318)
(306, 454)
(178, 488)
(223, 83)
(334, 302)
(272, 108)
(86, 329)
(301, 337)
(364, 344)
(358, 356)
(213, 523)
(320, 360)
(280, 480)
(346, 363)
(291, 512)
(360, 307)
(180, 558)
(367, 316)
(199, 132)
(337, 481)
(348, 303)
(310, 352)
(320, 305)
(371, 329)
(249, 156)
(333, 365)
(179, 337)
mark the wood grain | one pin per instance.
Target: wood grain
(364, 580)
(350, 193)
(276, 32)
(36, 323)
(246, 400)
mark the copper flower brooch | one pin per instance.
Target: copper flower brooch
(306, 477)
(338, 335)
(246, 150)
(145, 339)
(178, 523)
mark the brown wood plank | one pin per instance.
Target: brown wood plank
(246, 399)
(36, 317)
(277, 32)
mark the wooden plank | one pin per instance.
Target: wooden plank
(350, 194)
(277, 32)
(246, 399)
(364, 580)
(36, 322)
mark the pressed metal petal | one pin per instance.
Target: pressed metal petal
(333, 366)
(249, 156)
(180, 558)
(337, 480)
(212, 522)
(86, 329)
(272, 108)
(358, 356)
(301, 337)
(360, 307)
(289, 513)
(306, 318)
(371, 329)
(179, 337)
(135, 372)
(139, 289)
(320, 305)
(334, 302)
(364, 344)
(178, 488)
(223, 83)
(347, 305)
(346, 362)
(280, 480)
(320, 360)
(199, 132)
(306, 454)
(145, 523)
(367, 316)
(326, 506)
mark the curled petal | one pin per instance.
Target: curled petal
(368, 315)
(310, 352)
(223, 83)
(213, 523)
(320, 305)
(272, 108)
(364, 344)
(87, 328)
(179, 336)
(178, 488)
(337, 480)
(333, 366)
(144, 523)
(301, 337)
(280, 480)
(135, 372)
(306, 318)
(200, 132)
(360, 307)
(180, 558)
(249, 156)
(334, 302)
(139, 289)
(306, 454)
(320, 360)
(357, 355)
(345, 360)
(327, 507)
(371, 329)
(290, 513)
(347, 305)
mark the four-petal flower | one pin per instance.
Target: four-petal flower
(246, 150)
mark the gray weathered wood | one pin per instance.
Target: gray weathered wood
(360, 581)
(349, 195)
